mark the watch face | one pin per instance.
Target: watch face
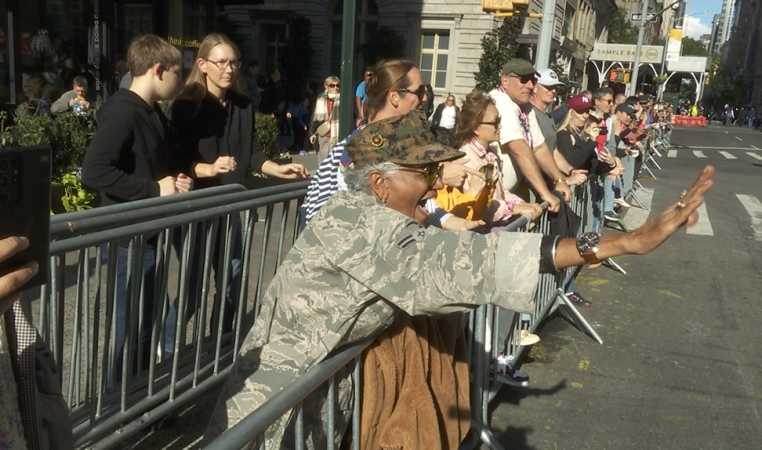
(588, 242)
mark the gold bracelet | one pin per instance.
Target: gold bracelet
(559, 180)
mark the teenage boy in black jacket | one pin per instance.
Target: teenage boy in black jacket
(129, 159)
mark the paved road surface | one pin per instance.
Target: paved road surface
(680, 364)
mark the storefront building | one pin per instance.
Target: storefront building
(41, 39)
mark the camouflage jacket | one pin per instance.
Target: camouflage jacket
(354, 268)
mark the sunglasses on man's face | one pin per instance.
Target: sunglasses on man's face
(432, 172)
(524, 79)
(495, 123)
(420, 92)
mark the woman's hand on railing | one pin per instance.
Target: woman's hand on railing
(523, 208)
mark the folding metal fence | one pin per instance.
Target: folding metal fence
(78, 305)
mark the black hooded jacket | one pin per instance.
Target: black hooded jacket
(209, 130)
(130, 152)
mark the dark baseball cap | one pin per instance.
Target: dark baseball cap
(403, 139)
(519, 66)
(626, 108)
(643, 99)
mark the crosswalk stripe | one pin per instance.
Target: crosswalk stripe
(699, 154)
(728, 155)
(755, 147)
(672, 154)
(754, 155)
(703, 227)
(636, 217)
(754, 208)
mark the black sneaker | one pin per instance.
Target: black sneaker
(611, 215)
(579, 300)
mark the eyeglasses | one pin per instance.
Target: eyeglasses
(524, 79)
(335, 85)
(433, 172)
(495, 123)
(222, 65)
(420, 92)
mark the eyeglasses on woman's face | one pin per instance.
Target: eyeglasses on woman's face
(495, 123)
(333, 85)
(432, 172)
(222, 65)
(420, 92)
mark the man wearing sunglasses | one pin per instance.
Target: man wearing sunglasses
(544, 93)
(522, 145)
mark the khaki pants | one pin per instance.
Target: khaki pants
(325, 145)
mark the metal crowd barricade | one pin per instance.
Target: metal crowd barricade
(78, 313)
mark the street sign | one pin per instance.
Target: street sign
(637, 16)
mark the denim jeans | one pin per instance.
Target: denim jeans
(125, 308)
(196, 266)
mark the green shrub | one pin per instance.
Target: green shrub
(266, 134)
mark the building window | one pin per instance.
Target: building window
(366, 13)
(568, 27)
(435, 48)
(275, 39)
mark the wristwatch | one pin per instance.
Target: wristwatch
(587, 245)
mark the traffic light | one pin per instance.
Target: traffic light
(508, 8)
(620, 76)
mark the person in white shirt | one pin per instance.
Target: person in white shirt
(447, 114)
(522, 145)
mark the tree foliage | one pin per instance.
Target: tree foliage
(381, 43)
(498, 46)
(693, 47)
(725, 85)
(621, 30)
(295, 57)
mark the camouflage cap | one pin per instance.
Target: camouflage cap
(400, 139)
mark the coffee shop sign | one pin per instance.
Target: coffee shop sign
(626, 53)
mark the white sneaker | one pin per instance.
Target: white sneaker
(620, 201)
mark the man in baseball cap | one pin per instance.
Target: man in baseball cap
(521, 139)
(545, 93)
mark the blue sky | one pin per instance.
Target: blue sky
(699, 24)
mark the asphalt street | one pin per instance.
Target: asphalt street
(680, 364)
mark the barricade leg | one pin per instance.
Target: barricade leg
(613, 265)
(652, 160)
(576, 316)
(638, 201)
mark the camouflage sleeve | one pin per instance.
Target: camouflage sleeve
(432, 271)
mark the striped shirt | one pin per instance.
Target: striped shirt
(328, 179)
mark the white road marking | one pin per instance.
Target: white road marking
(755, 147)
(672, 154)
(754, 155)
(754, 208)
(728, 155)
(636, 217)
(726, 132)
(739, 138)
(702, 227)
(699, 154)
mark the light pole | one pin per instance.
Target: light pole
(641, 33)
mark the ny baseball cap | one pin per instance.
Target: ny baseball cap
(579, 103)
(549, 78)
(518, 66)
(403, 139)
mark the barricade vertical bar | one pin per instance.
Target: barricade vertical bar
(261, 275)
(299, 426)
(220, 295)
(73, 372)
(95, 374)
(357, 407)
(57, 309)
(250, 218)
(331, 419)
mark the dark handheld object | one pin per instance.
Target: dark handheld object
(488, 172)
(25, 175)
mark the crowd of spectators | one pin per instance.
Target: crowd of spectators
(400, 225)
